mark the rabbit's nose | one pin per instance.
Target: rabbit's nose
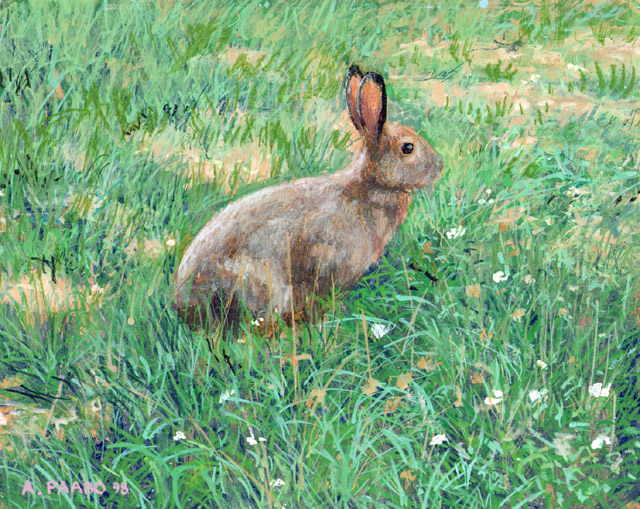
(434, 162)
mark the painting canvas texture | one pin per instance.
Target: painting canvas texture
(319, 254)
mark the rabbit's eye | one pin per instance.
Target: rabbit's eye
(407, 148)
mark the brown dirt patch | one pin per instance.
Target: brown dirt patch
(613, 52)
(230, 55)
(252, 56)
(38, 295)
(536, 65)
(151, 248)
(251, 160)
(345, 125)
(424, 48)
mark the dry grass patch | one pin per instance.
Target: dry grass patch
(3, 220)
(150, 248)
(524, 141)
(230, 56)
(537, 65)
(21, 421)
(38, 296)
(250, 161)
(344, 124)
(425, 49)
(612, 52)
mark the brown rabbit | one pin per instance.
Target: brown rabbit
(276, 249)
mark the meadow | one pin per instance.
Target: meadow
(489, 360)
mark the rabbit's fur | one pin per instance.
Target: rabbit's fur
(277, 248)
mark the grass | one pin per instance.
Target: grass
(125, 125)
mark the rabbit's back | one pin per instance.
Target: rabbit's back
(258, 225)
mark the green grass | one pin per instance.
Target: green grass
(100, 195)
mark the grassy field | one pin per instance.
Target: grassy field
(463, 371)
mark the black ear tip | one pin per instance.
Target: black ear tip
(379, 80)
(354, 69)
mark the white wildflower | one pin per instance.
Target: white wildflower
(380, 330)
(252, 440)
(599, 441)
(495, 400)
(597, 391)
(455, 232)
(276, 483)
(542, 364)
(500, 276)
(179, 436)
(226, 395)
(439, 439)
(535, 395)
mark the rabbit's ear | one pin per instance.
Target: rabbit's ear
(372, 105)
(354, 77)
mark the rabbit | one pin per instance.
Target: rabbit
(279, 248)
